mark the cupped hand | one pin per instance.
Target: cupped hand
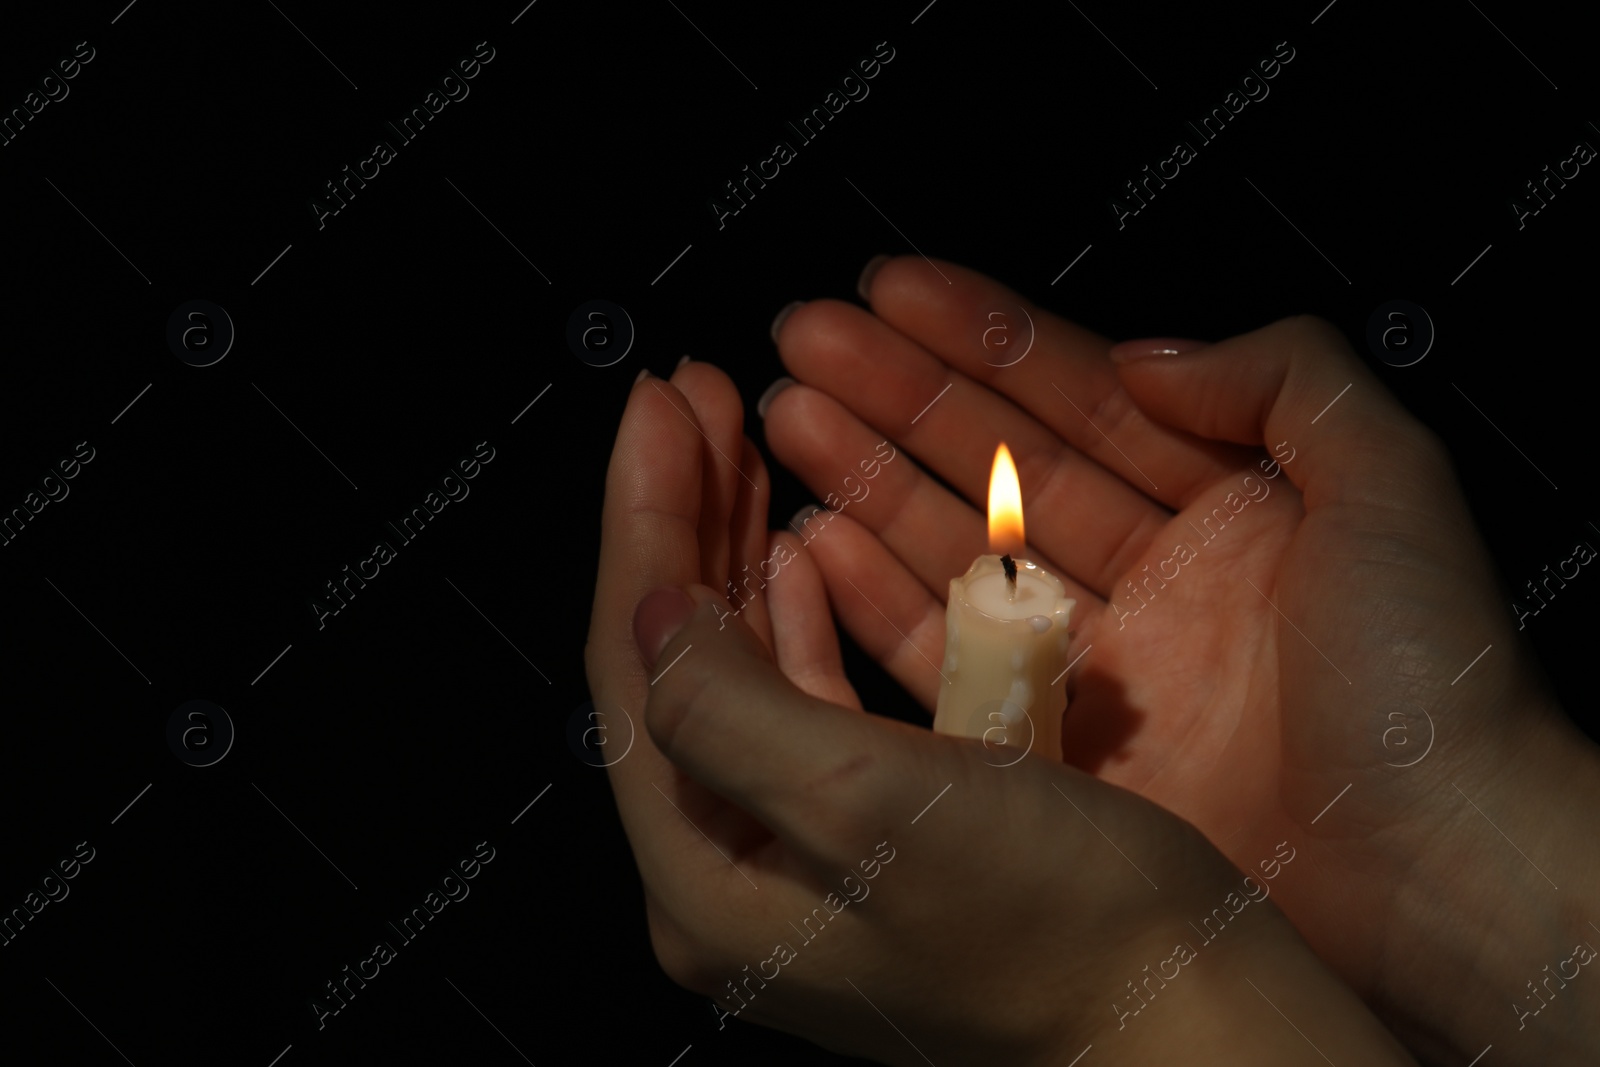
(1279, 583)
(877, 888)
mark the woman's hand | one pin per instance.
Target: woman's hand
(880, 889)
(1279, 589)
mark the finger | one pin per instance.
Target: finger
(1054, 369)
(934, 532)
(748, 534)
(805, 640)
(821, 777)
(1086, 519)
(881, 604)
(649, 537)
(715, 410)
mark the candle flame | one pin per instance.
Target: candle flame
(1005, 506)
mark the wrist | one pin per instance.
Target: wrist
(1496, 904)
(1245, 989)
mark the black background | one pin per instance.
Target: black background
(407, 330)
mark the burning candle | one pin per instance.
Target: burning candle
(1005, 643)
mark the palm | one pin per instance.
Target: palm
(1178, 694)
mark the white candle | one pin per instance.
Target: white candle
(1005, 641)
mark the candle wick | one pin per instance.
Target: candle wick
(1010, 566)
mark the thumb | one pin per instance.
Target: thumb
(1298, 389)
(723, 712)
(1393, 540)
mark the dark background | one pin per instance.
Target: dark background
(408, 329)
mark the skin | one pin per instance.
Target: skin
(762, 795)
(1239, 726)
(1251, 722)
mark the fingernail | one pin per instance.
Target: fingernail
(658, 618)
(644, 372)
(772, 390)
(804, 515)
(681, 362)
(783, 313)
(1128, 351)
(864, 283)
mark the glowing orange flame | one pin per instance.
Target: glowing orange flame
(1005, 506)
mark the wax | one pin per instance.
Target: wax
(1005, 660)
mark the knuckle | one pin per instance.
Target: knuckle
(1113, 405)
(695, 676)
(1315, 334)
(1429, 448)
(841, 806)
(678, 955)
